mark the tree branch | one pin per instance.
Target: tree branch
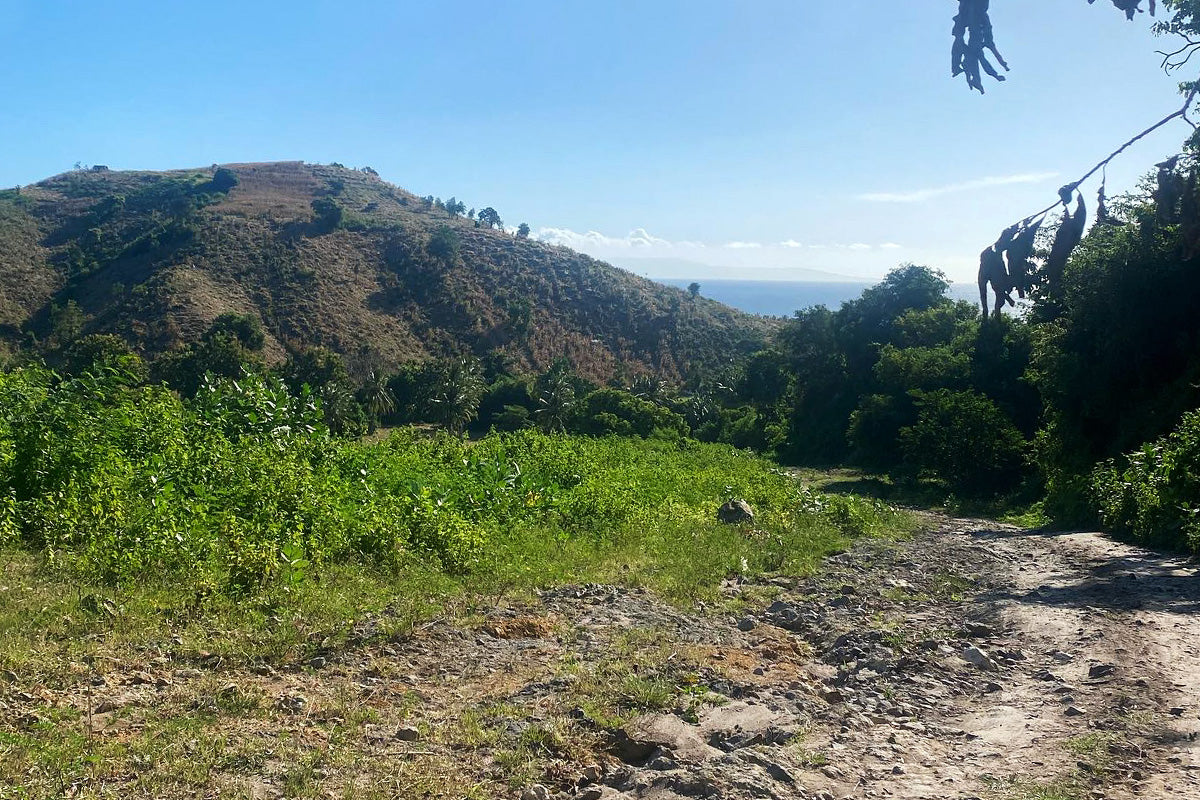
(1181, 113)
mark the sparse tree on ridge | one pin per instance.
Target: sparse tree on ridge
(694, 289)
(523, 231)
(490, 219)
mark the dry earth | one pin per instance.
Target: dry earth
(971, 661)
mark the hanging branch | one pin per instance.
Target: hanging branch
(972, 36)
(1181, 113)
(1017, 240)
(973, 39)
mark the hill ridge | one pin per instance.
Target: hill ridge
(338, 258)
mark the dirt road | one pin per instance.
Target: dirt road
(976, 660)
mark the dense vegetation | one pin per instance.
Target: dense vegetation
(243, 488)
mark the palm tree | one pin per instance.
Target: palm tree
(456, 393)
(377, 396)
(556, 402)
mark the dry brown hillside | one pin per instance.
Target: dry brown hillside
(156, 256)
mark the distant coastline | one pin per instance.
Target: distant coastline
(784, 298)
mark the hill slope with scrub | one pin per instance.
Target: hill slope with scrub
(336, 258)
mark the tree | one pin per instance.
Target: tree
(377, 396)
(694, 289)
(455, 207)
(66, 323)
(328, 214)
(490, 219)
(556, 401)
(973, 37)
(246, 328)
(523, 231)
(224, 179)
(456, 393)
(443, 244)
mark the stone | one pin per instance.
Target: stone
(832, 772)
(591, 774)
(591, 793)
(642, 738)
(980, 659)
(1074, 711)
(1102, 670)
(747, 624)
(317, 663)
(408, 734)
(735, 512)
(536, 792)
(977, 630)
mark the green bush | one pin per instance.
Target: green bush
(613, 411)
(1152, 495)
(964, 440)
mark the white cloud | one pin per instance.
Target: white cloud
(891, 246)
(920, 195)
(858, 246)
(637, 238)
(744, 245)
(790, 243)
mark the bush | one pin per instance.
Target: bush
(223, 180)
(613, 411)
(1152, 495)
(443, 244)
(964, 440)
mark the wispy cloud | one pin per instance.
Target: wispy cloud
(920, 195)
(790, 243)
(891, 246)
(636, 239)
(744, 245)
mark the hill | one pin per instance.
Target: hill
(333, 257)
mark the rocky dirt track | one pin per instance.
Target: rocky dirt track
(975, 660)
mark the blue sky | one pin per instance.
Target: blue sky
(760, 137)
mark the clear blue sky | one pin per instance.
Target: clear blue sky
(760, 136)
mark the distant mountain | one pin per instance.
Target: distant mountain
(333, 257)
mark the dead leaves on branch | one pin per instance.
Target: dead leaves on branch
(1130, 7)
(974, 39)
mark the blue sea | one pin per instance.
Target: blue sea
(783, 298)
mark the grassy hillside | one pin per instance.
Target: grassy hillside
(156, 256)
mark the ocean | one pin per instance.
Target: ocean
(783, 298)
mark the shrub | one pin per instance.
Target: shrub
(1152, 495)
(964, 440)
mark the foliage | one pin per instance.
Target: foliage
(444, 244)
(1152, 495)
(103, 351)
(1117, 365)
(865, 384)
(964, 440)
(242, 488)
(328, 214)
(455, 392)
(223, 179)
(489, 218)
(612, 411)
(245, 328)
